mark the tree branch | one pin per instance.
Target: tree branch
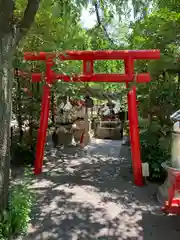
(29, 15)
(100, 24)
(6, 16)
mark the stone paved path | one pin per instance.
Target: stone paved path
(89, 195)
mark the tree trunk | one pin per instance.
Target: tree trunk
(6, 77)
(10, 35)
(31, 119)
(19, 107)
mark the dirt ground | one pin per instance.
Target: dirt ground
(89, 194)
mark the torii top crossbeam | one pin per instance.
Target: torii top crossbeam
(95, 55)
(88, 58)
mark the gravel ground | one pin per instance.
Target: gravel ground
(89, 194)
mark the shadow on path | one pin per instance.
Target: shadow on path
(88, 194)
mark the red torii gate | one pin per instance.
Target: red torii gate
(88, 75)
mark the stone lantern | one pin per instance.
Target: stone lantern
(174, 164)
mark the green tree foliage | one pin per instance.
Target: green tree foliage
(34, 25)
(63, 31)
(158, 99)
(171, 5)
(55, 27)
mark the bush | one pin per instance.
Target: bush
(155, 148)
(22, 154)
(15, 219)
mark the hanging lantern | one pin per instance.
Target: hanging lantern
(89, 102)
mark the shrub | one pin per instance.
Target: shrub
(155, 148)
(15, 219)
(22, 154)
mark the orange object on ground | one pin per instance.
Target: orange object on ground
(173, 205)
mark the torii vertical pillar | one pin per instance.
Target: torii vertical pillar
(133, 125)
(134, 137)
(45, 106)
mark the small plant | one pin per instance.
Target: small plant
(15, 220)
(5, 225)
